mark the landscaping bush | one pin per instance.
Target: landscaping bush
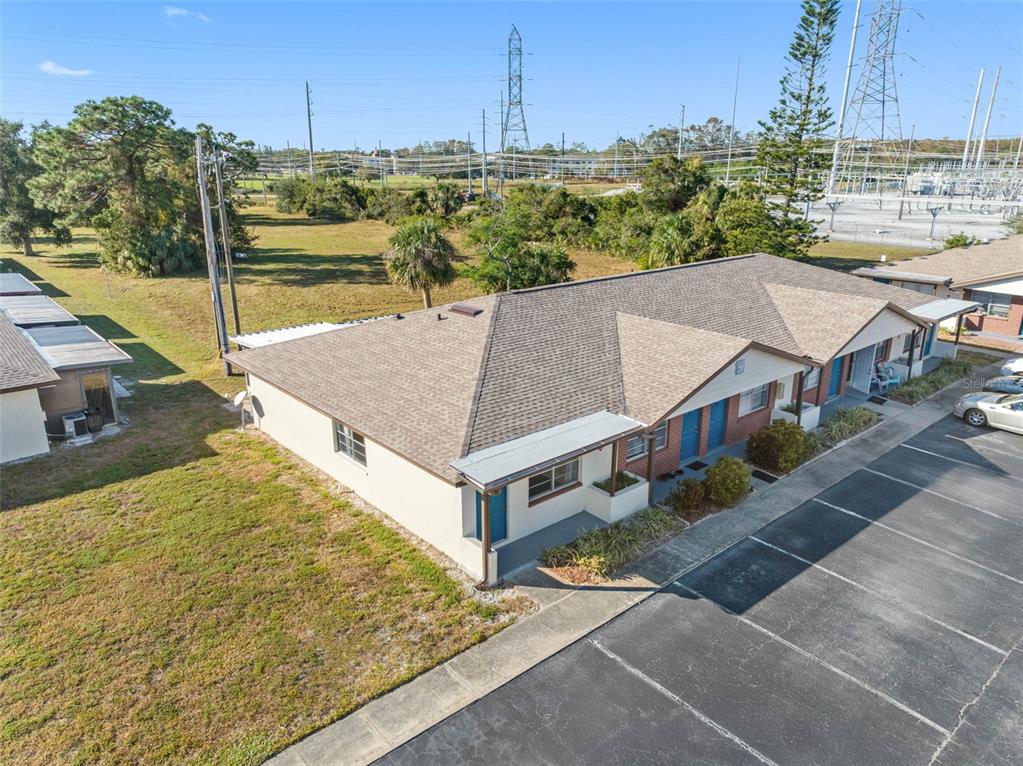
(779, 447)
(727, 481)
(946, 373)
(291, 194)
(847, 422)
(687, 496)
(962, 239)
(622, 480)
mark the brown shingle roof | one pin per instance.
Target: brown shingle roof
(434, 391)
(21, 365)
(962, 265)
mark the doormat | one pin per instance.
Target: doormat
(877, 399)
(696, 465)
(764, 476)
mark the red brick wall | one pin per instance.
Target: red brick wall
(1002, 325)
(820, 394)
(665, 459)
(739, 428)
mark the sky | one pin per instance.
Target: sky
(399, 73)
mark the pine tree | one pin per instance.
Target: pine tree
(793, 136)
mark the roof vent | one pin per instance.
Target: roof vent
(465, 310)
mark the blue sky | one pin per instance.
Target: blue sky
(400, 72)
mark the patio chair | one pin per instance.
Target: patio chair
(881, 383)
(888, 374)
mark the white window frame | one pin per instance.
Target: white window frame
(812, 379)
(988, 300)
(747, 405)
(558, 477)
(350, 443)
(636, 447)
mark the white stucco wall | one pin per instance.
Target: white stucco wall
(1005, 286)
(421, 502)
(22, 430)
(760, 368)
(885, 325)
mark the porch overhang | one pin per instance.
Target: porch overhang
(944, 308)
(493, 467)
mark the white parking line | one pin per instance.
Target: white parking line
(883, 597)
(982, 445)
(967, 463)
(916, 539)
(943, 497)
(823, 663)
(681, 702)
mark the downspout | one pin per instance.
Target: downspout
(650, 468)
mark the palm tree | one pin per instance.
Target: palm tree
(419, 257)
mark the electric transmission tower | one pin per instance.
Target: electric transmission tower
(515, 134)
(874, 134)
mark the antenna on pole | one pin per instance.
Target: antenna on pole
(211, 254)
(309, 121)
(484, 152)
(973, 117)
(731, 129)
(681, 127)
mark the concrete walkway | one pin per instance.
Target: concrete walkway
(568, 612)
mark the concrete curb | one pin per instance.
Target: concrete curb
(567, 613)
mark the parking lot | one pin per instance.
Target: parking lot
(881, 622)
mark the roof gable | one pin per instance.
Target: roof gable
(21, 365)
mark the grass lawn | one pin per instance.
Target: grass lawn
(187, 593)
(846, 256)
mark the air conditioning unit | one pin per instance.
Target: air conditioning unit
(76, 428)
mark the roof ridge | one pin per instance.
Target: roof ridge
(484, 359)
(627, 274)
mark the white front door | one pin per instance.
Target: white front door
(863, 361)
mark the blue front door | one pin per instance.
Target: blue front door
(835, 385)
(498, 516)
(690, 434)
(930, 339)
(718, 417)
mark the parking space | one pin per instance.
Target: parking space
(877, 623)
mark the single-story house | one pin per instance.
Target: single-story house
(991, 275)
(483, 425)
(46, 373)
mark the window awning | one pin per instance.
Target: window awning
(944, 308)
(504, 463)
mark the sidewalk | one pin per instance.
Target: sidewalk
(569, 612)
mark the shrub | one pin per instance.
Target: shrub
(727, 481)
(946, 373)
(622, 480)
(779, 446)
(962, 239)
(291, 194)
(687, 496)
(333, 199)
(847, 422)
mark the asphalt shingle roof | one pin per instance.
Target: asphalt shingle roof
(437, 390)
(962, 265)
(21, 365)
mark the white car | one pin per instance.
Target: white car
(999, 410)
(1013, 366)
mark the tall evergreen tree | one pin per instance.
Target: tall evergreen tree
(20, 216)
(793, 136)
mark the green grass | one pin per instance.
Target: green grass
(846, 256)
(184, 592)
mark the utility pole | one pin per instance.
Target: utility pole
(681, 127)
(1019, 150)
(731, 129)
(500, 162)
(309, 121)
(211, 254)
(484, 152)
(973, 117)
(291, 170)
(562, 159)
(987, 119)
(845, 97)
(618, 140)
(218, 160)
(380, 163)
(905, 169)
(468, 160)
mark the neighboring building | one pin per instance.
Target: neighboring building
(490, 420)
(49, 372)
(991, 275)
(13, 283)
(36, 311)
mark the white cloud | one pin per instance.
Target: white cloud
(52, 67)
(177, 12)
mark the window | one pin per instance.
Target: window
(350, 443)
(753, 400)
(907, 340)
(637, 444)
(992, 304)
(880, 352)
(556, 478)
(812, 379)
